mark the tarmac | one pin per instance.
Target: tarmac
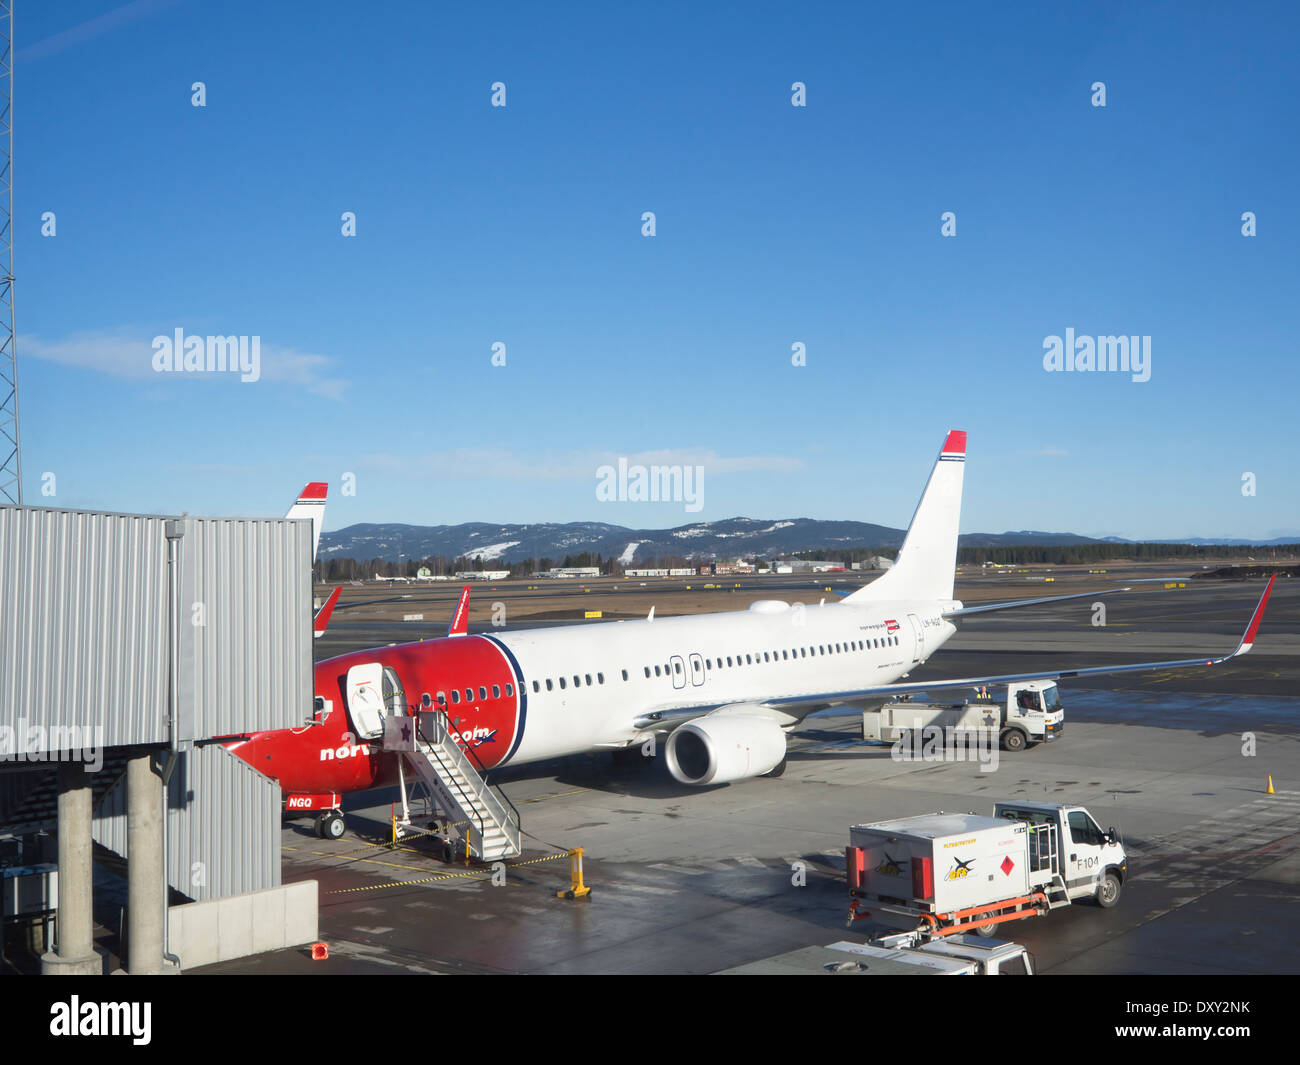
(688, 880)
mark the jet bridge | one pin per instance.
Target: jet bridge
(130, 641)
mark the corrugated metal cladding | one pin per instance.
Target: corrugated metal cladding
(83, 622)
(84, 616)
(223, 825)
(246, 636)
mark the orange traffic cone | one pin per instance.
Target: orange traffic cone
(320, 951)
(1270, 787)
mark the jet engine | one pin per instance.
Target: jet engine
(729, 744)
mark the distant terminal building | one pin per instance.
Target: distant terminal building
(560, 572)
(878, 562)
(806, 566)
(659, 572)
(725, 569)
(483, 575)
(811, 566)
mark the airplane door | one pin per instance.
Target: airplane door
(679, 671)
(918, 638)
(366, 699)
(697, 670)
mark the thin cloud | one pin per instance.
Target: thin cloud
(90, 29)
(208, 467)
(505, 465)
(120, 353)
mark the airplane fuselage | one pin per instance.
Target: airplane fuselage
(523, 696)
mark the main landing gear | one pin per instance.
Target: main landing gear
(329, 824)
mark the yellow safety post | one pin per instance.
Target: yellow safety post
(579, 890)
(1270, 786)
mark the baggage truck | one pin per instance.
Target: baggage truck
(946, 873)
(1031, 713)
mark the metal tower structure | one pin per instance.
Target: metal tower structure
(11, 463)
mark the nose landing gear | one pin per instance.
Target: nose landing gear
(329, 824)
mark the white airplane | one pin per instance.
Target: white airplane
(725, 687)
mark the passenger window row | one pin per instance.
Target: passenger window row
(457, 699)
(578, 679)
(671, 669)
(728, 661)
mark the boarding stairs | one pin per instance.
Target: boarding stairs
(481, 815)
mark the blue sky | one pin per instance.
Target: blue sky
(774, 225)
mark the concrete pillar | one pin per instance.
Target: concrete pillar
(75, 955)
(144, 868)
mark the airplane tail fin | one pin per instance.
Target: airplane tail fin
(928, 557)
(460, 617)
(311, 505)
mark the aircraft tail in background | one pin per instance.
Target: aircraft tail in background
(311, 505)
(928, 558)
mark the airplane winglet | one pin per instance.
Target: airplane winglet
(1248, 638)
(322, 619)
(460, 616)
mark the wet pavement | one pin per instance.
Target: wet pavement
(698, 880)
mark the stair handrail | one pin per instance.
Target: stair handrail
(435, 747)
(489, 796)
(497, 790)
